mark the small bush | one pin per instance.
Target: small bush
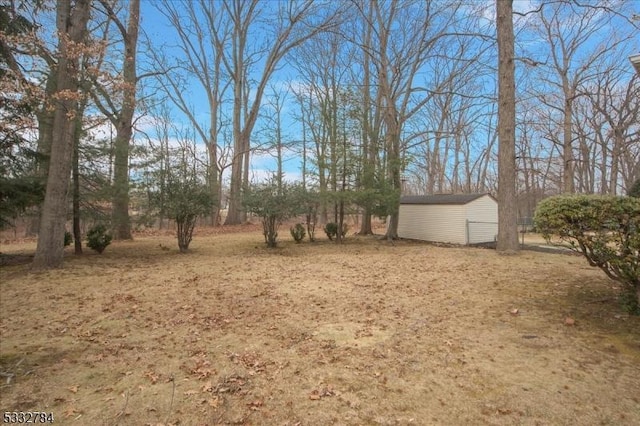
(298, 232)
(98, 239)
(331, 229)
(273, 203)
(68, 238)
(186, 201)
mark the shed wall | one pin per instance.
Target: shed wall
(442, 223)
(482, 215)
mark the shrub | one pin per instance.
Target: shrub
(68, 238)
(604, 229)
(187, 200)
(98, 239)
(298, 232)
(273, 203)
(331, 229)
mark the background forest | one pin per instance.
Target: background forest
(130, 103)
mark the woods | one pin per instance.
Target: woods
(358, 102)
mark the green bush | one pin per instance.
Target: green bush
(98, 239)
(298, 232)
(273, 203)
(186, 201)
(604, 229)
(68, 238)
(331, 229)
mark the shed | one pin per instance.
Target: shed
(449, 218)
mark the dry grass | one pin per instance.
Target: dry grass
(362, 333)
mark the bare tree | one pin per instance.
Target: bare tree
(507, 206)
(371, 122)
(287, 30)
(201, 42)
(450, 129)
(615, 109)
(570, 29)
(71, 22)
(323, 63)
(403, 35)
(118, 104)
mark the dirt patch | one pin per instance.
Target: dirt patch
(367, 332)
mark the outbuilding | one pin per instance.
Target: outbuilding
(449, 218)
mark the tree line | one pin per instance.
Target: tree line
(108, 106)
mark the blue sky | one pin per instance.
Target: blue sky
(161, 33)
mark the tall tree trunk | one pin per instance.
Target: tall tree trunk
(568, 184)
(507, 205)
(71, 22)
(618, 141)
(214, 183)
(234, 213)
(212, 147)
(77, 233)
(45, 118)
(368, 160)
(304, 148)
(393, 154)
(120, 199)
(121, 222)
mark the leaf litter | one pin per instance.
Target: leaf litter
(361, 333)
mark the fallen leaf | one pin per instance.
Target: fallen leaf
(327, 391)
(153, 377)
(73, 389)
(203, 373)
(70, 411)
(207, 387)
(255, 405)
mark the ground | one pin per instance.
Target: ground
(367, 332)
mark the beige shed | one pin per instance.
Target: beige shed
(449, 218)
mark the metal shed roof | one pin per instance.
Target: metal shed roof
(441, 198)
